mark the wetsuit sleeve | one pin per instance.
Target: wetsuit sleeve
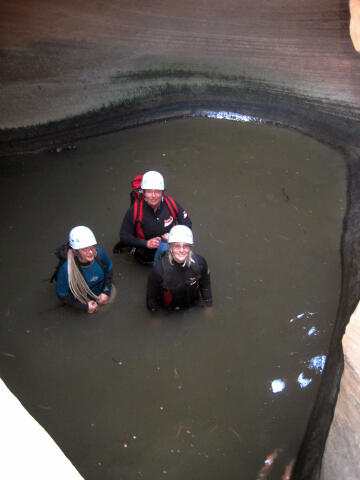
(63, 290)
(205, 283)
(128, 233)
(108, 272)
(182, 217)
(154, 290)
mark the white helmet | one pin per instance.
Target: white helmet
(152, 181)
(81, 237)
(181, 234)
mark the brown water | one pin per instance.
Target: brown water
(196, 391)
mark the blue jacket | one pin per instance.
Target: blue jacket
(98, 276)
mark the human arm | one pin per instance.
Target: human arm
(128, 232)
(205, 283)
(107, 269)
(182, 216)
(64, 293)
(154, 290)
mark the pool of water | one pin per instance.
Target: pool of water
(128, 395)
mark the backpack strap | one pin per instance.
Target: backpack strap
(138, 215)
(101, 261)
(170, 202)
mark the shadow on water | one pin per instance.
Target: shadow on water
(130, 395)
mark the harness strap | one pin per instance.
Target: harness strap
(138, 213)
(170, 202)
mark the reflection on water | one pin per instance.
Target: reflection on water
(128, 395)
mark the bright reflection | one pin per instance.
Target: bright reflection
(277, 385)
(317, 363)
(303, 315)
(303, 382)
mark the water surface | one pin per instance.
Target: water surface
(128, 395)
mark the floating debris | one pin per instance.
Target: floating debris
(302, 381)
(7, 354)
(264, 471)
(277, 385)
(178, 427)
(118, 362)
(237, 435)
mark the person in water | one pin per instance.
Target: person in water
(180, 278)
(148, 221)
(84, 280)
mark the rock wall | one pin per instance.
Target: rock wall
(60, 59)
(341, 458)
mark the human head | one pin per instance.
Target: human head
(153, 186)
(83, 240)
(180, 242)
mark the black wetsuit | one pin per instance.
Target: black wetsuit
(177, 286)
(153, 225)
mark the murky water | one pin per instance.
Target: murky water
(131, 396)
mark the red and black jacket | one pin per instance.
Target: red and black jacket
(142, 223)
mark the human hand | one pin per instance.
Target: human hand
(165, 237)
(103, 298)
(153, 242)
(92, 306)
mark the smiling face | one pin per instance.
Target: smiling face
(153, 198)
(180, 251)
(86, 255)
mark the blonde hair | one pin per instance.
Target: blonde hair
(189, 259)
(78, 286)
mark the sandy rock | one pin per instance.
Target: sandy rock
(355, 23)
(343, 444)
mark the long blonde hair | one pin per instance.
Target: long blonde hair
(189, 259)
(77, 283)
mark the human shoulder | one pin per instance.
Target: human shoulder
(63, 269)
(201, 262)
(102, 257)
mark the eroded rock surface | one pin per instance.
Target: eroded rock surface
(63, 58)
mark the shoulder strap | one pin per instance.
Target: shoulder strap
(170, 202)
(101, 261)
(138, 216)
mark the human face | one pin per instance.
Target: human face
(87, 254)
(180, 251)
(153, 197)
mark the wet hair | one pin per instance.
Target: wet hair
(77, 283)
(189, 259)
